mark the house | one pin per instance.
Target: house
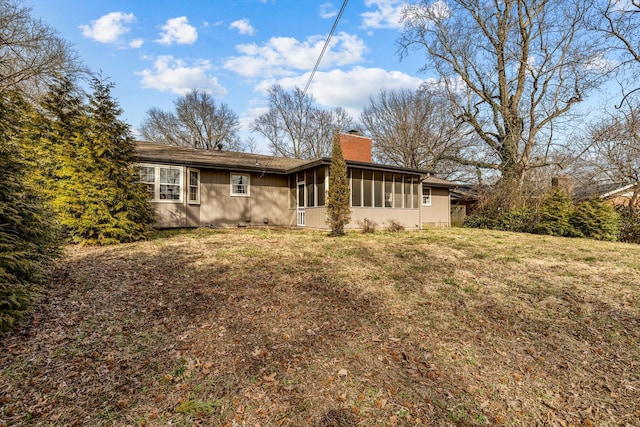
(192, 188)
(616, 193)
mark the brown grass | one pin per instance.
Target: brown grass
(293, 328)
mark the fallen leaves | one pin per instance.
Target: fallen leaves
(202, 330)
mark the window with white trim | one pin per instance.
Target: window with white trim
(170, 180)
(426, 195)
(194, 187)
(163, 183)
(239, 185)
(148, 178)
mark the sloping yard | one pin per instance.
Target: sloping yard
(293, 328)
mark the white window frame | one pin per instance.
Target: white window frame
(196, 201)
(156, 182)
(426, 198)
(232, 185)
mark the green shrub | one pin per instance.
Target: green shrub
(554, 215)
(595, 219)
(519, 220)
(480, 221)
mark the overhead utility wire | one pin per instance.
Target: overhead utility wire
(324, 48)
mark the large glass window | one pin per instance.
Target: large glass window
(407, 191)
(239, 185)
(367, 188)
(310, 192)
(356, 187)
(388, 190)
(397, 191)
(415, 191)
(320, 185)
(378, 194)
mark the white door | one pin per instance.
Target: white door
(300, 204)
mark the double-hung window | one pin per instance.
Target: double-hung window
(239, 185)
(194, 187)
(170, 180)
(426, 196)
(163, 183)
(148, 179)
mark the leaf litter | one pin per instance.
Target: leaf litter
(290, 328)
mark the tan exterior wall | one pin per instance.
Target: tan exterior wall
(408, 218)
(169, 215)
(439, 213)
(315, 218)
(266, 204)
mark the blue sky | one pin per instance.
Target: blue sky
(157, 50)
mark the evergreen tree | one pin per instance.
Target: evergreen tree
(338, 194)
(86, 154)
(596, 219)
(555, 212)
(102, 201)
(28, 238)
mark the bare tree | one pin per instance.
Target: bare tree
(414, 129)
(614, 150)
(296, 127)
(31, 53)
(516, 67)
(198, 122)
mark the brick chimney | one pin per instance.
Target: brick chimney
(563, 182)
(355, 146)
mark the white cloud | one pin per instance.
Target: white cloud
(178, 30)
(108, 28)
(175, 75)
(348, 89)
(327, 10)
(283, 56)
(136, 43)
(387, 14)
(243, 26)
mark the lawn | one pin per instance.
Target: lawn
(293, 328)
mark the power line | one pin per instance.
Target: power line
(324, 48)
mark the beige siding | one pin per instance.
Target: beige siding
(408, 218)
(439, 213)
(315, 218)
(266, 204)
(169, 215)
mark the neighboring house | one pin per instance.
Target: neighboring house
(192, 188)
(617, 194)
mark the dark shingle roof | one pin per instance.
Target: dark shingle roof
(160, 153)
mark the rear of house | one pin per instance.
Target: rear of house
(192, 188)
